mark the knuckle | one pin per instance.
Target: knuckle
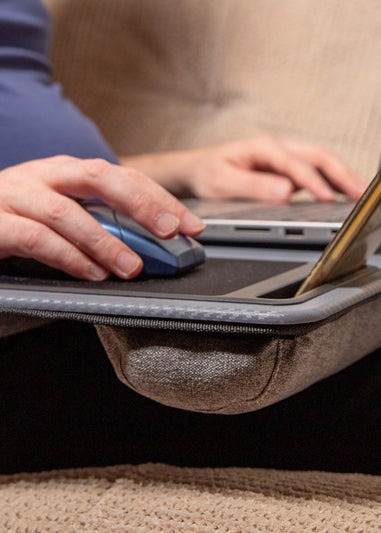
(58, 208)
(142, 202)
(99, 242)
(135, 175)
(32, 239)
(30, 167)
(67, 258)
(218, 188)
(323, 156)
(71, 261)
(95, 168)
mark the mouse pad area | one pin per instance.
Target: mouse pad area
(218, 276)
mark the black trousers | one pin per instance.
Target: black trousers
(62, 406)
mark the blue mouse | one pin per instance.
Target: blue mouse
(161, 257)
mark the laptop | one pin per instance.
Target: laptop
(250, 222)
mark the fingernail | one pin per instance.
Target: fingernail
(167, 223)
(128, 264)
(192, 222)
(97, 273)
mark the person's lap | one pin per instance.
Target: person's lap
(62, 406)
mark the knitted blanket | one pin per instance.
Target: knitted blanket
(162, 498)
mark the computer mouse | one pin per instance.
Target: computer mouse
(161, 257)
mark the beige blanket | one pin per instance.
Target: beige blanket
(161, 498)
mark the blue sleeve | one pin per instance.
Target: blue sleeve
(36, 120)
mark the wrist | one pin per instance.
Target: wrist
(172, 170)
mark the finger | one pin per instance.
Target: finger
(23, 237)
(270, 153)
(129, 192)
(67, 218)
(254, 185)
(343, 178)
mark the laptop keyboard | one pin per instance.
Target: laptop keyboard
(308, 211)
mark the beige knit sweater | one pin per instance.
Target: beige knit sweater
(171, 74)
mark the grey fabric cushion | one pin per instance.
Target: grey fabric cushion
(237, 373)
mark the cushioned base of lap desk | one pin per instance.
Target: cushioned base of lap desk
(210, 340)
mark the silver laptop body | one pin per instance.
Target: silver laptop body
(310, 223)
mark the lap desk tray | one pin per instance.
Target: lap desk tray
(228, 337)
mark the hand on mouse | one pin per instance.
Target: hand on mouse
(263, 168)
(41, 219)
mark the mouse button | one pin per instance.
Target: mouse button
(181, 247)
(177, 245)
(107, 223)
(147, 248)
(101, 210)
(189, 251)
(129, 224)
(198, 253)
(189, 259)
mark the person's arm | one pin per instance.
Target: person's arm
(40, 218)
(263, 168)
(36, 120)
